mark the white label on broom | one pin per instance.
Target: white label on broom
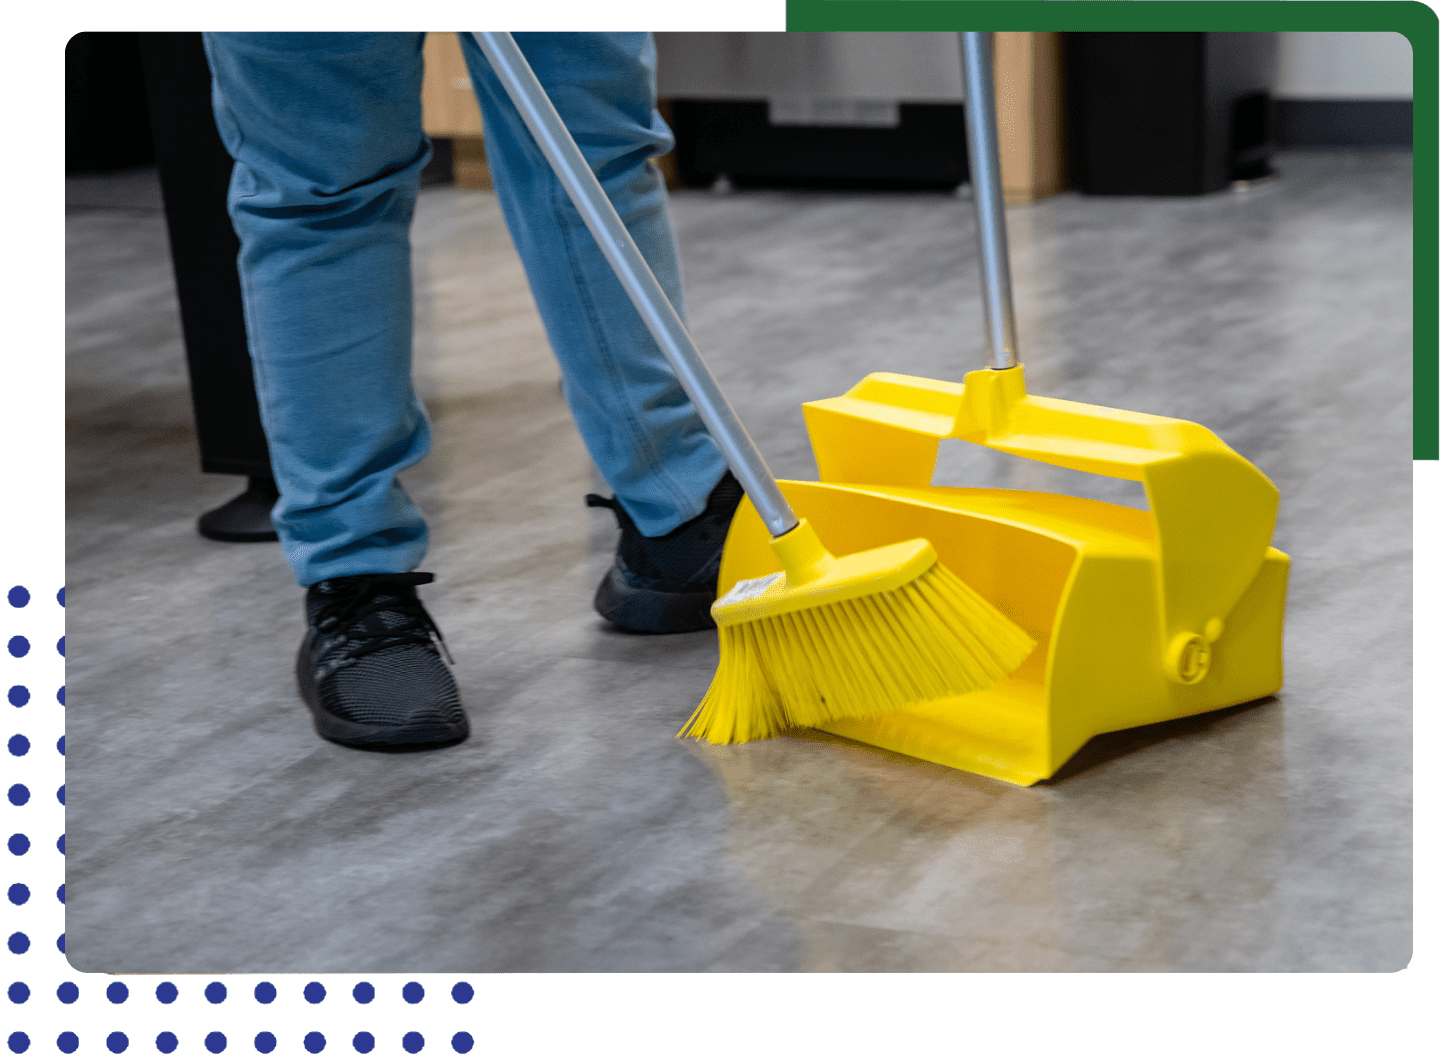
(748, 588)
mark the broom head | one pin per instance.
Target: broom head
(853, 636)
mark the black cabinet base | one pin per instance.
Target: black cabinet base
(925, 150)
(1345, 122)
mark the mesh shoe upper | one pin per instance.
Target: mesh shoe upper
(373, 650)
(687, 559)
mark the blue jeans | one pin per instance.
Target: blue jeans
(326, 132)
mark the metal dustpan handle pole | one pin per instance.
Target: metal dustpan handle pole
(641, 285)
(987, 196)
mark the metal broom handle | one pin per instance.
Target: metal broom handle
(641, 285)
(987, 196)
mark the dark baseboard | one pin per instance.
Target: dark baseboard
(1344, 122)
(925, 150)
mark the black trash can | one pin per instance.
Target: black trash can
(1169, 113)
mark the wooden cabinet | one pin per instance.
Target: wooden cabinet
(1027, 72)
(449, 109)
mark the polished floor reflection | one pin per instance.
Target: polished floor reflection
(209, 829)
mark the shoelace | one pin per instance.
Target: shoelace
(723, 499)
(596, 501)
(369, 594)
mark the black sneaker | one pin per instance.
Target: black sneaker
(667, 584)
(370, 669)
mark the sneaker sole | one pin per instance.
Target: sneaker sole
(352, 734)
(648, 611)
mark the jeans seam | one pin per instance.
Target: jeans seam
(655, 465)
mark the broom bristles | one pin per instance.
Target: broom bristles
(933, 638)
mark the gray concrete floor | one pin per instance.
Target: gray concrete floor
(209, 829)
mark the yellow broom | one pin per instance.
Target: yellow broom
(831, 638)
(828, 637)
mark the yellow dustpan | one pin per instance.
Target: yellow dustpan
(1142, 616)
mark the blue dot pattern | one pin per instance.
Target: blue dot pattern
(97, 996)
(31, 933)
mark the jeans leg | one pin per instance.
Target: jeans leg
(635, 418)
(325, 129)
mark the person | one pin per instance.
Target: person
(326, 133)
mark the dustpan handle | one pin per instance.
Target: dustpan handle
(635, 276)
(987, 196)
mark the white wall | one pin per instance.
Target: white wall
(1344, 66)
